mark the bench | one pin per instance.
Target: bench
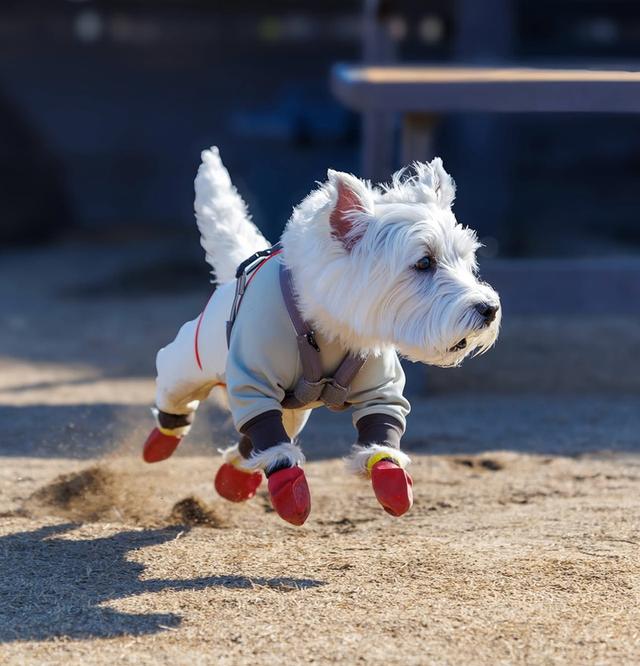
(419, 93)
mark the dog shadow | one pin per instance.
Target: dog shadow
(56, 587)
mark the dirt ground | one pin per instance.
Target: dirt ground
(522, 546)
(505, 558)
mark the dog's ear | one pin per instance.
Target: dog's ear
(437, 179)
(352, 205)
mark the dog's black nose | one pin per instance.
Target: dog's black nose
(488, 311)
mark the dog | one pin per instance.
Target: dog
(363, 274)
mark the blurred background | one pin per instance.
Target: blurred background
(106, 104)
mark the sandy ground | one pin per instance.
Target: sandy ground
(522, 546)
(505, 558)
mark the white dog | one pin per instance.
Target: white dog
(361, 275)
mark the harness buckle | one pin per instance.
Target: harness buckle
(311, 339)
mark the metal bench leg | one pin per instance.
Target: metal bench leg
(417, 137)
(377, 128)
(377, 145)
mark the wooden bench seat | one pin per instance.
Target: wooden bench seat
(510, 89)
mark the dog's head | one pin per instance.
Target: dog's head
(391, 266)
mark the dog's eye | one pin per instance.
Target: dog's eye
(424, 264)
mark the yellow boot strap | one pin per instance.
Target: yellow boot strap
(168, 432)
(381, 455)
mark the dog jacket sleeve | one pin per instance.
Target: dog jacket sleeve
(265, 430)
(379, 429)
(377, 396)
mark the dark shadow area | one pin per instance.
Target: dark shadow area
(443, 424)
(54, 587)
(471, 423)
(91, 430)
(34, 205)
(108, 305)
(166, 276)
(78, 431)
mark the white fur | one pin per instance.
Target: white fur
(285, 453)
(363, 288)
(226, 232)
(231, 454)
(357, 462)
(371, 297)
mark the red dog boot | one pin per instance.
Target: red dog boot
(290, 494)
(392, 486)
(235, 484)
(159, 446)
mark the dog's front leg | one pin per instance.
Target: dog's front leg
(267, 446)
(377, 455)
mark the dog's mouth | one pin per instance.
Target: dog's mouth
(459, 346)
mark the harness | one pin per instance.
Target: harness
(312, 386)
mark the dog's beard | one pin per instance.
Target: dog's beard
(444, 335)
(436, 325)
(473, 343)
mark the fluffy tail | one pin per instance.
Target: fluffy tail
(226, 232)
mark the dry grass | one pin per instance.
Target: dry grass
(504, 559)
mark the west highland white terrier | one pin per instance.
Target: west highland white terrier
(361, 276)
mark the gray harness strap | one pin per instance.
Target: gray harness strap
(312, 386)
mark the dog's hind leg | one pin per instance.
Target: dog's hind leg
(232, 482)
(188, 368)
(180, 387)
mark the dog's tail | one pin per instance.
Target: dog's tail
(227, 233)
